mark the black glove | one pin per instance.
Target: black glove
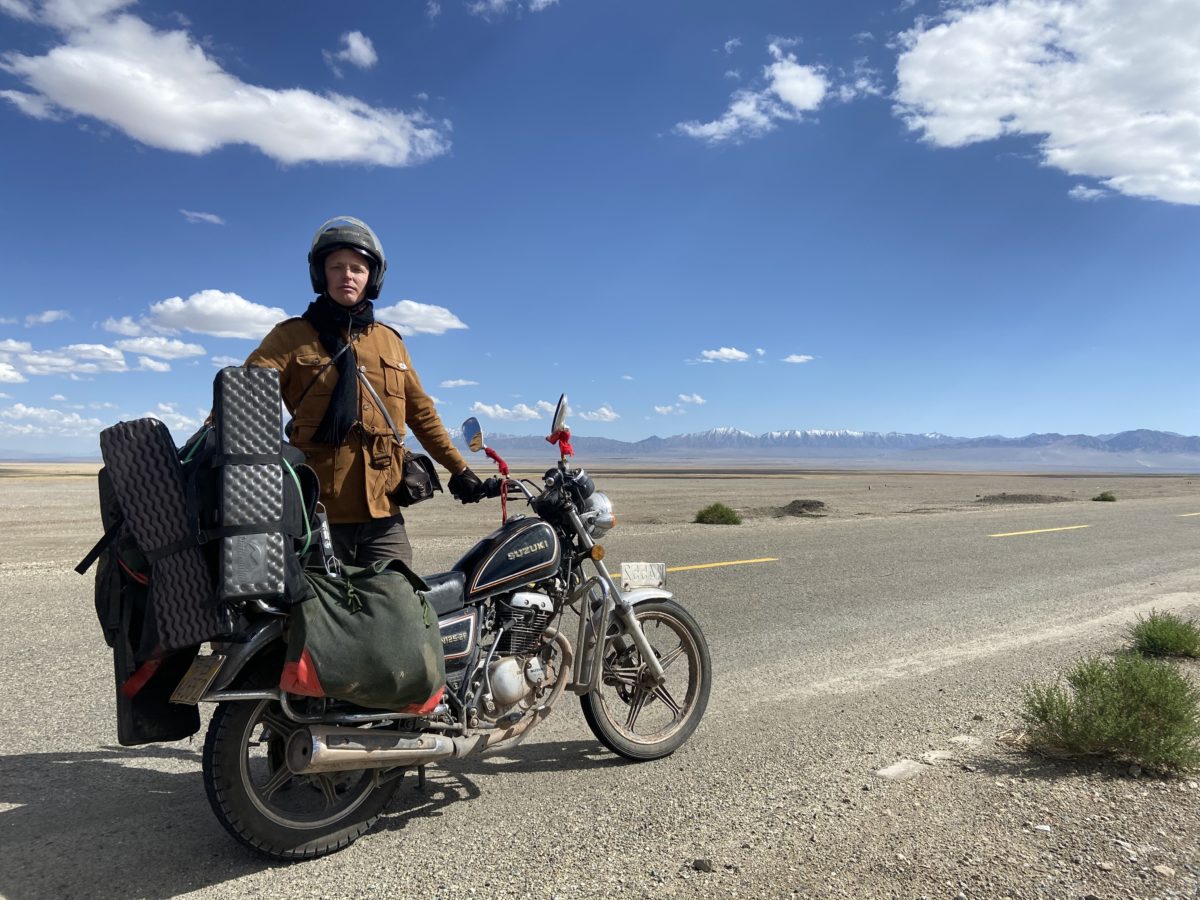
(466, 486)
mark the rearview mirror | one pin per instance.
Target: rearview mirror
(560, 415)
(473, 434)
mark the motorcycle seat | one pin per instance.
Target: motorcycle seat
(446, 591)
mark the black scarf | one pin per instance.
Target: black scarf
(333, 321)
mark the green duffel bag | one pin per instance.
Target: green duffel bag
(367, 637)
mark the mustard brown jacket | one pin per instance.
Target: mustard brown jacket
(356, 477)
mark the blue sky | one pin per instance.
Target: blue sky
(972, 218)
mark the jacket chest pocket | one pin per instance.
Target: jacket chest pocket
(313, 376)
(394, 373)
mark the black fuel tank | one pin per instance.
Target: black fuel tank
(518, 552)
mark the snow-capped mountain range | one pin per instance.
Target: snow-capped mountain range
(1137, 450)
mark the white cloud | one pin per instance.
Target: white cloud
(357, 50)
(489, 9)
(73, 359)
(32, 105)
(518, 413)
(124, 325)
(8, 345)
(218, 313)
(495, 9)
(604, 414)
(222, 361)
(759, 351)
(153, 365)
(164, 348)
(1108, 88)
(202, 217)
(548, 407)
(790, 90)
(59, 398)
(797, 358)
(47, 317)
(162, 89)
(433, 9)
(1083, 192)
(411, 317)
(9, 374)
(18, 9)
(732, 44)
(692, 398)
(175, 420)
(457, 382)
(627, 378)
(38, 421)
(861, 81)
(71, 15)
(669, 409)
(724, 354)
(4, 396)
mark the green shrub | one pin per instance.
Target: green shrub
(718, 514)
(1129, 708)
(1165, 634)
(1106, 496)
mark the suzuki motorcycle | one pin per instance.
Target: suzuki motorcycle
(296, 777)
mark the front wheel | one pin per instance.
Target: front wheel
(631, 715)
(267, 808)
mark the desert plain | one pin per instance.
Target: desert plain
(898, 622)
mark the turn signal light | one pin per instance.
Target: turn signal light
(596, 553)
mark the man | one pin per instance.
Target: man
(336, 421)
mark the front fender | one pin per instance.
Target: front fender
(641, 595)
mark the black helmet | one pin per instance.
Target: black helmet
(346, 231)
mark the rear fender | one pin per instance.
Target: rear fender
(237, 655)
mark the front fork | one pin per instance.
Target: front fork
(599, 600)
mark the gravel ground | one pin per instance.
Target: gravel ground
(891, 630)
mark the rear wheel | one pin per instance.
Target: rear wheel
(634, 717)
(267, 808)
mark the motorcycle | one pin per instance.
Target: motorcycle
(296, 778)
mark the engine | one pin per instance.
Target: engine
(517, 673)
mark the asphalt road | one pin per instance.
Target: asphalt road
(867, 639)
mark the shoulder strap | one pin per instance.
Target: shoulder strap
(374, 395)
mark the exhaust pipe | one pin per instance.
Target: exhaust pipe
(328, 748)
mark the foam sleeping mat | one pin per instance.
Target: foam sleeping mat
(250, 484)
(143, 465)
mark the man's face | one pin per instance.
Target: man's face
(346, 274)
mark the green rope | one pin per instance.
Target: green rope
(196, 444)
(303, 511)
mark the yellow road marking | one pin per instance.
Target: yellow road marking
(1039, 531)
(1185, 515)
(736, 562)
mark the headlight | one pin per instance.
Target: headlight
(598, 516)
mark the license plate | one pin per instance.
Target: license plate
(195, 683)
(642, 575)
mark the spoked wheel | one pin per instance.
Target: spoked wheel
(631, 715)
(267, 808)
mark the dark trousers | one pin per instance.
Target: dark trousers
(361, 543)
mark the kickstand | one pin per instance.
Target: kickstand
(420, 778)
